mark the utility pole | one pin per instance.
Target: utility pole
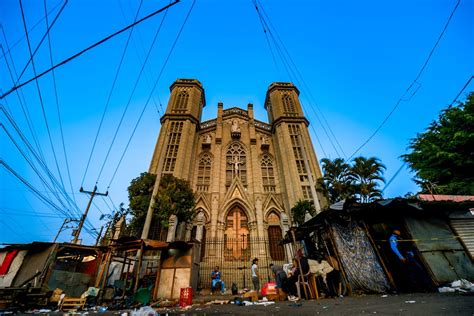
(98, 237)
(83, 218)
(67, 220)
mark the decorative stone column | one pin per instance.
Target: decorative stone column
(189, 229)
(181, 230)
(285, 227)
(214, 213)
(173, 223)
(259, 216)
(254, 237)
(200, 221)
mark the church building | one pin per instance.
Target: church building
(246, 174)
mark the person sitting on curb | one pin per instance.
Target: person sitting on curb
(215, 279)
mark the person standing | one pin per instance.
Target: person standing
(394, 239)
(255, 275)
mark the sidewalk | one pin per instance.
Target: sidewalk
(402, 304)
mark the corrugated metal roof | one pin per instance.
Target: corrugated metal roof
(464, 228)
(439, 197)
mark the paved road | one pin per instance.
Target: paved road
(402, 304)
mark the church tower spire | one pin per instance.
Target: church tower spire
(178, 131)
(299, 166)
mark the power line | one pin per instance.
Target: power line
(87, 49)
(40, 95)
(97, 207)
(33, 27)
(394, 176)
(106, 203)
(462, 90)
(57, 100)
(42, 197)
(110, 93)
(41, 162)
(14, 231)
(42, 39)
(148, 81)
(152, 91)
(33, 166)
(415, 81)
(28, 214)
(23, 106)
(32, 188)
(403, 165)
(293, 72)
(132, 94)
(266, 36)
(111, 201)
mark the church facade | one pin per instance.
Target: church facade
(246, 174)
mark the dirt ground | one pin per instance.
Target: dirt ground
(402, 304)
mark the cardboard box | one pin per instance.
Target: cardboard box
(252, 295)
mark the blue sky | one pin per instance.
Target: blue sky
(356, 60)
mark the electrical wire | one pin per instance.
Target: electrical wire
(147, 70)
(107, 203)
(394, 176)
(65, 61)
(57, 101)
(462, 90)
(40, 96)
(32, 188)
(18, 41)
(41, 162)
(415, 81)
(151, 92)
(110, 93)
(292, 70)
(131, 95)
(30, 163)
(23, 105)
(48, 29)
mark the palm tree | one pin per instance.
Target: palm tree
(366, 174)
(336, 182)
(298, 211)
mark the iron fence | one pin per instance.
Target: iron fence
(234, 259)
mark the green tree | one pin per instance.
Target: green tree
(139, 196)
(366, 174)
(443, 155)
(336, 182)
(298, 211)
(174, 197)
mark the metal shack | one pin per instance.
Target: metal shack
(41, 267)
(433, 232)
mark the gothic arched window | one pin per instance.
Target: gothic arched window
(181, 103)
(268, 176)
(204, 173)
(235, 164)
(288, 104)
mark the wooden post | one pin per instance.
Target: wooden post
(338, 258)
(138, 267)
(389, 275)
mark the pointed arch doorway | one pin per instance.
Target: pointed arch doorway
(236, 235)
